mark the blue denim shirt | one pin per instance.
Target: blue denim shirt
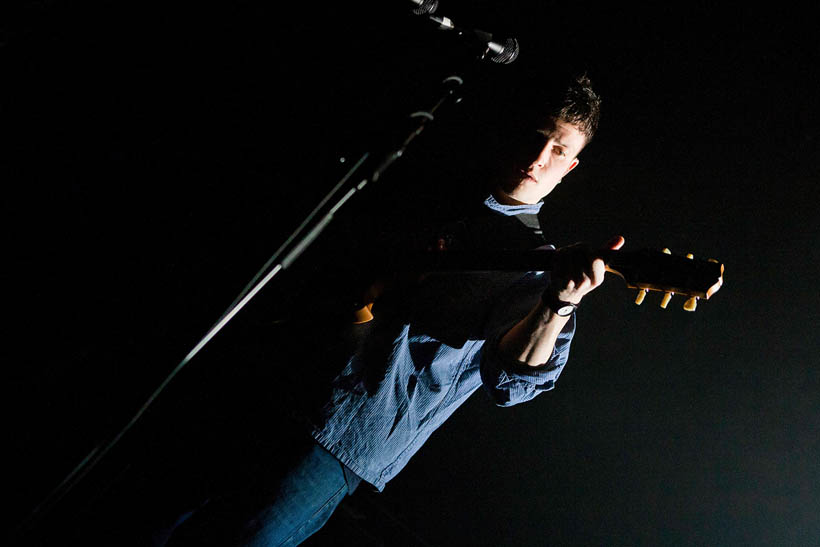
(430, 364)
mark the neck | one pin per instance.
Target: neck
(504, 198)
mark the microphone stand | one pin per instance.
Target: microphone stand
(293, 247)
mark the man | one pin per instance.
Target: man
(429, 349)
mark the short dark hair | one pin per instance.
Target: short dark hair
(580, 106)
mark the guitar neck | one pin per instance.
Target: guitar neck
(642, 269)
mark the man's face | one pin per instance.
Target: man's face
(561, 144)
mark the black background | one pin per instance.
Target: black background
(159, 155)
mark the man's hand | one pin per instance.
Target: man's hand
(578, 270)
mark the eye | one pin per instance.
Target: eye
(560, 152)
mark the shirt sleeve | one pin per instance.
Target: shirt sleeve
(510, 382)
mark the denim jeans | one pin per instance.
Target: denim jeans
(285, 511)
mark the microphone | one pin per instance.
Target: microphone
(424, 7)
(505, 53)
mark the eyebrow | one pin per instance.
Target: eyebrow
(559, 143)
(549, 133)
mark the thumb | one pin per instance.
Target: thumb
(615, 243)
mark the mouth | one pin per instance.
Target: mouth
(527, 175)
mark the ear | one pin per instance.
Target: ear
(572, 166)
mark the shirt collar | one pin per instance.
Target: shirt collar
(512, 210)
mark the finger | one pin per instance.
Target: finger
(598, 272)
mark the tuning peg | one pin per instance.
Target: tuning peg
(691, 304)
(668, 296)
(363, 314)
(640, 296)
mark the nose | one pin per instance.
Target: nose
(541, 160)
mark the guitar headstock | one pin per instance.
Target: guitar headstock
(649, 270)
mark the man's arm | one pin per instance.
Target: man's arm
(575, 274)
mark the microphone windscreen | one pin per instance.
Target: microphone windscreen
(425, 7)
(508, 54)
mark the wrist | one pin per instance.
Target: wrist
(562, 308)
